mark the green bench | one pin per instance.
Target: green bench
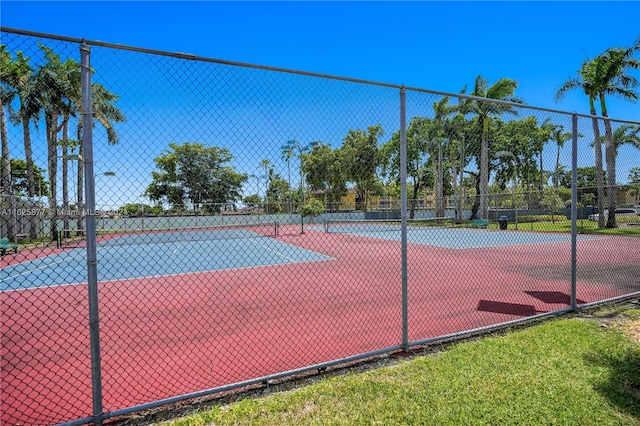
(6, 246)
(479, 223)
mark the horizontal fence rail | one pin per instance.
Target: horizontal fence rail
(175, 227)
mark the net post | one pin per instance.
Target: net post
(403, 217)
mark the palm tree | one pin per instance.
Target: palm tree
(6, 97)
(611, 67)
(54, 84)
(62, 83)
(559, 136)
(286, 155)
(20, 78)
(69, 77)
(586, 80)
(503, 90)
(634, 177)
(442, 110)
(105, 113)
(627, 134)
(59, 83)
(271, 193)
(5, 170)
(454, 129)
(265, 164)
(462, 129)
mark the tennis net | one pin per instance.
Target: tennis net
(350, 226)
(123, 237)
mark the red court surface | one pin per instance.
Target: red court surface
(172, 335)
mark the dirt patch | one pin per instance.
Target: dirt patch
(632, 329)
(624, 316)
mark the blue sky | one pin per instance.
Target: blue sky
(433, 45)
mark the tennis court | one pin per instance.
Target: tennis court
(192, 310)
(429, 232)
(160, 253)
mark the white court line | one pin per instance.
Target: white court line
(274, 251)
(45, 266)
(179, 244)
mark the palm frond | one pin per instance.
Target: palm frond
(502, 89)
(480, 87)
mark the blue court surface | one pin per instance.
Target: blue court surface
(452, 238)
(125, 258)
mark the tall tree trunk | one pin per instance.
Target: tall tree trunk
(484, 172)
(541, 173)
(268, 177)
(80, 203)
(440, 184)
(366, 200)
(557, 177)
(610, 158)
(598, 163)
(454, 181)
(5, 172)
(31, 185)
(362, 194)
(462, 164)
(515, 184)
(434, 167)
(476, 203)
(414, 199)
(5, 181)
(51, 121)
(65, 180)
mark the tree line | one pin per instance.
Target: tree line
(439, 148)
(442, 147)
(468, 141)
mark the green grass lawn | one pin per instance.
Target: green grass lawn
(571, 371)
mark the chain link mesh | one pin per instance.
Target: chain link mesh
(249, 223)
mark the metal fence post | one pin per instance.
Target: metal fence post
(574, 208)
(90, 195)
(403, 217)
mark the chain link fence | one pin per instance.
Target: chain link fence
(251, 223)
